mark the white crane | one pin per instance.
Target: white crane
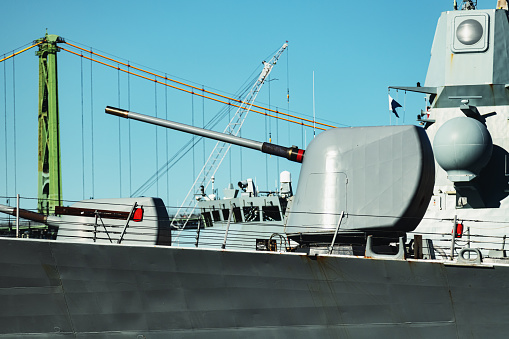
(220, 150)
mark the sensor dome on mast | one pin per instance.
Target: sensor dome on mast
(469, 32)
(462, 147)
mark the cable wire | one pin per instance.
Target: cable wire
(23, 50)
(238, 101)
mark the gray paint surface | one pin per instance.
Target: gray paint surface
(376, 175)
(154, 227)
(108, 291)
(462, 147)
(480, 78)
(478, 72)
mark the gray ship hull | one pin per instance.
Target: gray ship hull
(58, 289)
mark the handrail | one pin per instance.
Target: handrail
(98, 216)
(241, 234)
(127, 222)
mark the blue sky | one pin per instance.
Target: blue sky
(356, 50)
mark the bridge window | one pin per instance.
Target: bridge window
(251, 213)
(207, 219)
(271, 213)
(215, 215)
(237, 215)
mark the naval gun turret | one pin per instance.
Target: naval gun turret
(379, 178)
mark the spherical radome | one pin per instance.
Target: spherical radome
(462, 146)
(469, 32)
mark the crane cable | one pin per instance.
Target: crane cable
(119, 139)
(14, 124)
(193, 87)
(82, 133)
(92, 123)
(5, 132)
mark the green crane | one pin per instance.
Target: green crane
(49, 169)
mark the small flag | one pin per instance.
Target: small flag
(393, 104)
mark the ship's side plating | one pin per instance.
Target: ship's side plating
(62, 289)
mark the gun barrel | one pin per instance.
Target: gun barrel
(25, 214)
(291, 153)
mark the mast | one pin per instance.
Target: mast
(49, 169)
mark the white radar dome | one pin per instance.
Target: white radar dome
(285, 176)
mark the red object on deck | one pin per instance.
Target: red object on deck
(459, 230)
(138, 214)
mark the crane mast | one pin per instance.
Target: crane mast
(216, 157)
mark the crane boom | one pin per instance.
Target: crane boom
(221, 148)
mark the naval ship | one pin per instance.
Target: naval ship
(394, 231)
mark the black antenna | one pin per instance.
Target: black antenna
(469, 5)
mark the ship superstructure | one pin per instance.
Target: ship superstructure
(467, 120)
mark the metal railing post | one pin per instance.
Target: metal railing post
(453, 236)
(198, 232)
(127, 223)
(95, 226)
(223, 246)
(336, 233)
(17, 215)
